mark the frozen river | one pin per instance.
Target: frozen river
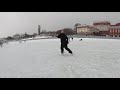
(93, 58)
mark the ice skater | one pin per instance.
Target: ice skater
(64, 42)
(1, 44)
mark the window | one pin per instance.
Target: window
(110, 30)
(113, 30)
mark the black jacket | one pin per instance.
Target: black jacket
(64, 38)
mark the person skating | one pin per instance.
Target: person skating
(1, 44)
(64, 42)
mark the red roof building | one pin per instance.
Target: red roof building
(105, 28)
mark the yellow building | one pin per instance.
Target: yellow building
(86, 30)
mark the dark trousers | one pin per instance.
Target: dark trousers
(66, 47)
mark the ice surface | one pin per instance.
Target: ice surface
(93, 58)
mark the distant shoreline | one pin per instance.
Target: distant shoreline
(98, 37)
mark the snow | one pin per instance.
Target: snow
(93, 58)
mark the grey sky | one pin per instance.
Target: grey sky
(21, 22)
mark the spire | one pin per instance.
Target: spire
(39, 28)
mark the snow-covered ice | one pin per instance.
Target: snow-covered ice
(93, 58)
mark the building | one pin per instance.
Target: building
(86, 30)
(18, 36)
(114, 30)
(75, 27)
(106, 29)
(103, 27)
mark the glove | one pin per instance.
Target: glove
(67, 42)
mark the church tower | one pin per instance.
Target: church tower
(39, 29)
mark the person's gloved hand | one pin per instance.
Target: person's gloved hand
(67, 42)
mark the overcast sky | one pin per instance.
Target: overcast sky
(21, 22)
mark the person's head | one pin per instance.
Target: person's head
(62, 31)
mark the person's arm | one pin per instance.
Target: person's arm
(67, 39)
(58, 36)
